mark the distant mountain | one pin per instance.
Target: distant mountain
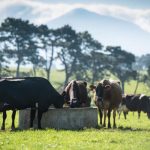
(108, 30)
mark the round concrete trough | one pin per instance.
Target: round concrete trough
(66, 118)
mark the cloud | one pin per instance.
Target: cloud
(41, 13)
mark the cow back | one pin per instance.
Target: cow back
(28, 91)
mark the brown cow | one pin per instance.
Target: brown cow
(76, 94)
(108, 97)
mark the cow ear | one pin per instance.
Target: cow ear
(119, 82)
(63, 93)
(85, 83)
(92, 87)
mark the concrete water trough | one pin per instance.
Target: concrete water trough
(66, 118)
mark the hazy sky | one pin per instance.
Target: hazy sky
(42, 11)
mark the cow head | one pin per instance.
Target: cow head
(122, 105)
(72, 94)
(102, 90)
(60, 103)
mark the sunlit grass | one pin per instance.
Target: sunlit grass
(142, 88)
(132, 133)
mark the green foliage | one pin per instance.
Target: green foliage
(17, 40)
(121, 64)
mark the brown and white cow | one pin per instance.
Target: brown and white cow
(108, 97)
(76, 94)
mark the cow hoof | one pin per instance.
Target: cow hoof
(104, 125)
(40, 128)
(2, 128)
(13, 129)
(32, 129)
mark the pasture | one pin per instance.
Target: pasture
(132, 133)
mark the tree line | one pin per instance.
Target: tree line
(81, 56)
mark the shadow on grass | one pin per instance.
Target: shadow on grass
(132, 129)
(98, 128)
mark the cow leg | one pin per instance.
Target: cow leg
(39, 118)
(109, 114)
(139, 114)
(13, 120)
(32, 116)
(114, 118)
(119, 113)
(105, 114)
(125, 115)
(4, 118)
(100, 115)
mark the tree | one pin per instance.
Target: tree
(142, 62)
(68, 50)
(3, 64)
(93, 59)
(121, 64)
(18, 36)
(48, 40)
(147, 77)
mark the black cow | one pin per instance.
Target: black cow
(27, 92)
(137, 103)
(3, 108)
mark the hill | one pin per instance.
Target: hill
(108, 30)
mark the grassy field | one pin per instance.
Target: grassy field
(130, 134)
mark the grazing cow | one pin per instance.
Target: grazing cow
(3, 108)
(125, 112)
(137, 103)
(76, 94)
(27, 92)
(108, 97)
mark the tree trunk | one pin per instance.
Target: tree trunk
(34, 70)
(93, 77)
(51, 62)
(48, 74)
(66, 79)
(122, 87)
(136, 87)
(18, 70)
(0, 70)
(67, 76)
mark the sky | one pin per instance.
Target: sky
(42, 11)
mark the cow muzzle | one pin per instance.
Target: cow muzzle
(99, 102)
(74, 103)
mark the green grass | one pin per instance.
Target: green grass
(132, 133)
(142, 88)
